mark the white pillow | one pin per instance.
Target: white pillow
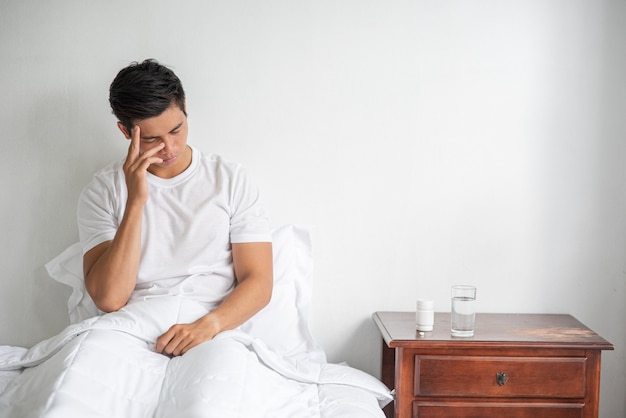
(67, 268)
(283, 325)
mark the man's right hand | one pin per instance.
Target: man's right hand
(136, 166)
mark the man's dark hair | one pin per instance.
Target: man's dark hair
(144, 90)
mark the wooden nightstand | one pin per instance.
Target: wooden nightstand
(515, 366)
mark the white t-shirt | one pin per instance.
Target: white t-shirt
(189, 223)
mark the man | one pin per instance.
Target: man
(169, 220)
(176, 248)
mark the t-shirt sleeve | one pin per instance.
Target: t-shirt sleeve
(249, 221)
(97, 221)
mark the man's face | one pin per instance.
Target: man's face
(169, 128)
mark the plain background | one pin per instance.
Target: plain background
(426, 142)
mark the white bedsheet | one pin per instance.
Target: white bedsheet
(105, 366)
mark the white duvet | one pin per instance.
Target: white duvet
(105, 365)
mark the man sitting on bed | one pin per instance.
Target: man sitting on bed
(176, 248)
(169, 220)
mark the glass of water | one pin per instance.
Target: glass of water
(463, 312)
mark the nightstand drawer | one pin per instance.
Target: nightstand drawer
(503, 410)
(478, 376)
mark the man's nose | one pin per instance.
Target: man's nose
(167, 144)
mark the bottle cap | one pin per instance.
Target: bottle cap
(425, 305)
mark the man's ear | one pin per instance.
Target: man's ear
(122, 128)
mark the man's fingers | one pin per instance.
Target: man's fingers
(135, 134)
(154, 150)
(169, 342)
(133, 148)
(143, 161)
(163, 341)
(176, 341)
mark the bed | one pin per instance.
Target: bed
(269, 367)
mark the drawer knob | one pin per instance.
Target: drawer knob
(501, 378)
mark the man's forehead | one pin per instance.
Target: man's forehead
(148, 134)
(170, 120)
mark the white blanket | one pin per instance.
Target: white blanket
(105, 366)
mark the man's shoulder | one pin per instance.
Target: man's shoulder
(110, 173)
(113, 167)
(215, 161)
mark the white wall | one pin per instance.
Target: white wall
(427, 142)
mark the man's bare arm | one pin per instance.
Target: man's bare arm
(110, 268)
